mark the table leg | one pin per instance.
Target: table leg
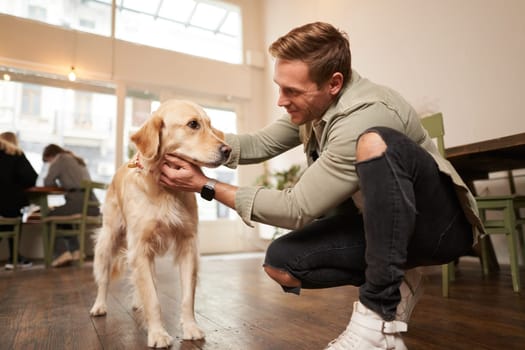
(41, 200)
(45, 243)
(44, 210)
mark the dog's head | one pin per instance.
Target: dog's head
(183, 129)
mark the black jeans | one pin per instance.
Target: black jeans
(411, 217)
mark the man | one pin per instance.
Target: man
(376, 201)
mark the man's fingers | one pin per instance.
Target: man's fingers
(175, 162)
(164, 180)
(170, 165)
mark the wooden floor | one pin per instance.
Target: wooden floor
(240, 308)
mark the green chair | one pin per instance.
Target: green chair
(508, 207)
(436, 130)
(76, 224)
(14, 233)
(510, 223)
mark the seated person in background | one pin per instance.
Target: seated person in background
(66, 170)
(16, 176)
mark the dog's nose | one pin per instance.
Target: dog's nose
(226, 150)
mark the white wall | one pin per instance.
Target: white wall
(463, 58)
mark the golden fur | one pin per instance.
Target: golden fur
(143, 219)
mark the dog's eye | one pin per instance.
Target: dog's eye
(194, 124)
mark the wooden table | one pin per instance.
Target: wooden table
(38, 195)
(476, 160)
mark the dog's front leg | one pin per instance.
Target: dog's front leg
(142, 276)
(101, 270)
(188, 276)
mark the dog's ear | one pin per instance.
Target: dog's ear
(147, 138)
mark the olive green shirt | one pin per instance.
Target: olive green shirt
(331, 180)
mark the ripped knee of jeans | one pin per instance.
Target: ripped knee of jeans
(288, 282)
(370, 145)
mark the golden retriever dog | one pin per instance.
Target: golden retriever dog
(142, 219)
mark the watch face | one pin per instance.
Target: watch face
(207, 192)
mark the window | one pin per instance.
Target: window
(37, 12)
(31, 95)
(82, 116)
(88, 16)
(78, 120)
(205, 28)
(7, 107)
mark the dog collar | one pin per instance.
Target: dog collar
(135, 163)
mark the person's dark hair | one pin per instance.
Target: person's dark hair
(53, 150)
(324, 48)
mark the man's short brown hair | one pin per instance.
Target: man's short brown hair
(324, 48)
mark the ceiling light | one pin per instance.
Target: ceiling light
(72, 75)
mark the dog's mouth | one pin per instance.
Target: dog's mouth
(198, 162)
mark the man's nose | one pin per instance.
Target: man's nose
(282, 101)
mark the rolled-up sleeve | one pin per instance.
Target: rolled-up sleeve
(244, 203)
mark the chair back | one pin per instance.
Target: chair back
(90, 200)
(76, 224)
(433, 124)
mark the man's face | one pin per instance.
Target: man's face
(301, 97)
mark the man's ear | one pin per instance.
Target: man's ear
(147, 138)
(336, 83)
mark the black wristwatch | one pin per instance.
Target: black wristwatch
(208, 190)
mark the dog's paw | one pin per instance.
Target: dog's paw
(191, 331)
(98, 310)
(159, 339)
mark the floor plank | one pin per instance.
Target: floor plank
(240, 308)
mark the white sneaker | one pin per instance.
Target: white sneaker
(411, 290)
(368, 331)
(22, 263)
